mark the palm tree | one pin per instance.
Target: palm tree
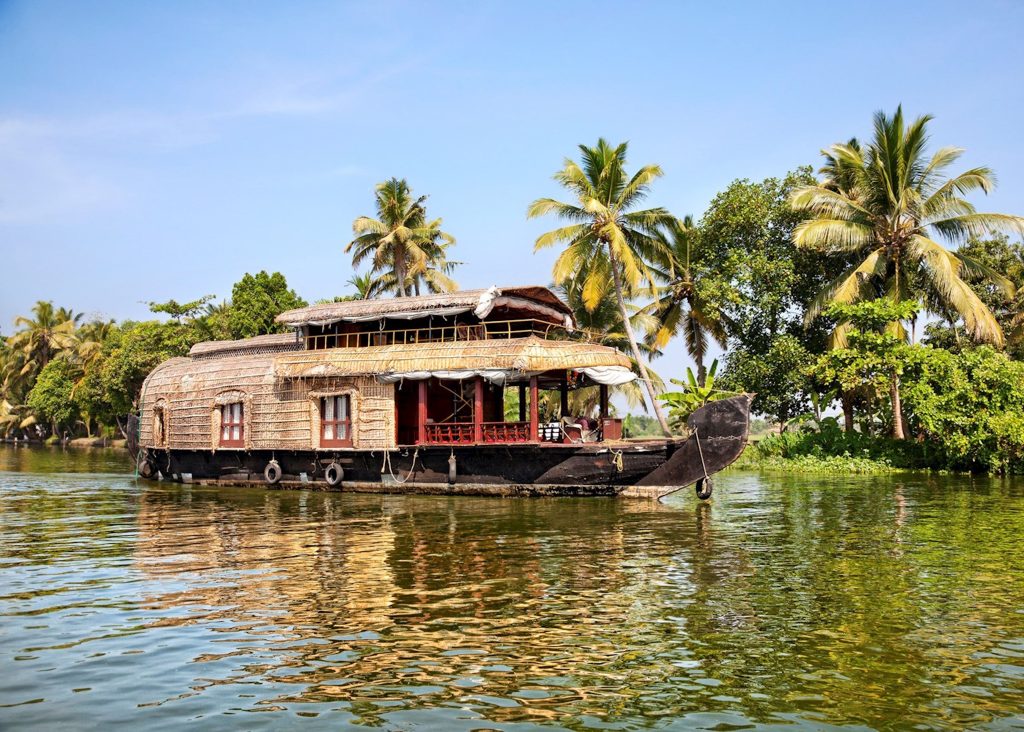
(603, 325)
(367, 286)
(882, 213)
(607, 239)
(91, 338)
(679, 305)
(398, 241)
(43, 335)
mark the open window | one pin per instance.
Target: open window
(232, 429)
(336, 421)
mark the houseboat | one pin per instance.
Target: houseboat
(449, 393)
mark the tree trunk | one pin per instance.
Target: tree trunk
(400, 274)
(702, 372)
(847, 412)
(897, 409)
(628, 327)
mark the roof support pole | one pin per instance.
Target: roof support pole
(478, 409)
(421, 412)
(564, 389)
(603, 399)
(522, 402)
(534, 411)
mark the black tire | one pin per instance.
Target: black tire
(704, 487)
(334, 474)
(272, 473)
(146, 468)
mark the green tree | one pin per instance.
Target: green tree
(44, 334)
(762, 283)
(875, 357)
(181, 312)
(403, 247)
(882, 212)
(256, 300)
(52, 397)
(681, 304)
(138, 349)
(776, 376)
(609, 242)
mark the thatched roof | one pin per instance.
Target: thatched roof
(517, 354)
(480, 301)
(272, 343)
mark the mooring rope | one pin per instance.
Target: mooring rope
(700, 451)
(387, 466)
(617, 460)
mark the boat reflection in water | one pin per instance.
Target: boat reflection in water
(526, 606)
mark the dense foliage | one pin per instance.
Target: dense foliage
(61, 377)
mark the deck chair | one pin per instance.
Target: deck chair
(573, 432)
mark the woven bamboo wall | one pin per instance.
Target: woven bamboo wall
(279, 413)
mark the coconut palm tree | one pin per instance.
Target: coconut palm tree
(679, 305)
(603, 324)
(883, 211)
(398, 241)
(606, 238)
(884, 214)
(46, 333)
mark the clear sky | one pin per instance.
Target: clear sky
(157, 150)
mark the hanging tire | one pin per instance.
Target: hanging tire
(272, 473)
(704, 487)
(334, 474)
(146, 468)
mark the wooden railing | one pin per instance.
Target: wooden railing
(450, 433)
(491, 330)
(462, 433)
(504, 432)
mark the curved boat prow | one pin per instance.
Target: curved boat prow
(718, 435)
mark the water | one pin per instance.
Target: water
(869, 602)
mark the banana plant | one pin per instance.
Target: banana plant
(681, 404)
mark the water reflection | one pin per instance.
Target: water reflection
(866, 602)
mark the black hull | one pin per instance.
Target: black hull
(643, 469)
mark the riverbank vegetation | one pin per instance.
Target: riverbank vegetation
(878, 316)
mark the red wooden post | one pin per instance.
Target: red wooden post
(534, 411)
(421, 413)
(522, 402)
(603, 398)
(478, 410)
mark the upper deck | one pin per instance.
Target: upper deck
(466, 315)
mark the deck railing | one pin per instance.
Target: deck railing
(463, 433)
(491, 330)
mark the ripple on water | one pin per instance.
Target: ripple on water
(868, 603)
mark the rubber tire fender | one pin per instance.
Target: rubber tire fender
(704, 488)
(272, 473)
(334, 474)
(146, 468)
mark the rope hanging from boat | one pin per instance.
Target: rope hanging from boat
(387, 466)
(700, 452)
(617, 460)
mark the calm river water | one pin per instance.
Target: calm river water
(870, 602)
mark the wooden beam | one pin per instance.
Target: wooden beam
(522, 402)
(421, 413)
(603, 398)
(478, 409)
(564, 389)
(534, 411)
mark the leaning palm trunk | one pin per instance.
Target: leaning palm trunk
(635, 348)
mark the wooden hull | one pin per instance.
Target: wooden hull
(640, 469)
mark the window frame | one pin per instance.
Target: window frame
(227, 423)
(335, 423)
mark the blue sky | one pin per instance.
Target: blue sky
(158, 150)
